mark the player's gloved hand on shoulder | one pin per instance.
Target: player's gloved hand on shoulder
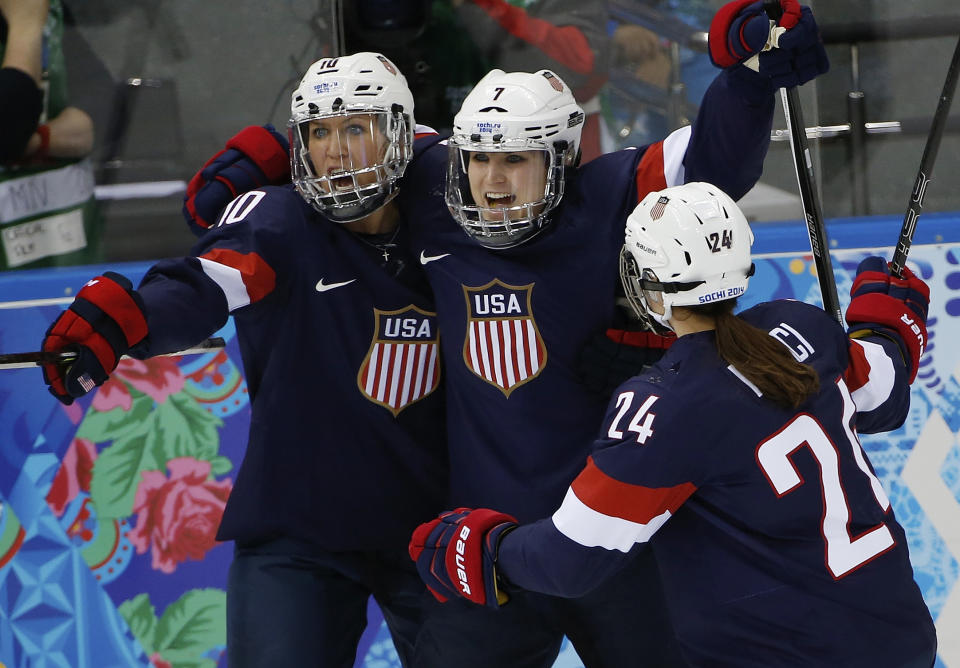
(105, 320)
(893, 307)
(456, 554)
(609, 359)
(254, 157)
(789, 53)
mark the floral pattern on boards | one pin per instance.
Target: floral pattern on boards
(178, 515)
(141, 475)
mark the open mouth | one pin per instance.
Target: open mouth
(499, 200)
(339, 179)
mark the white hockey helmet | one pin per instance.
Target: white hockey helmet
(362, 109)
(685, 246)
(510, 113)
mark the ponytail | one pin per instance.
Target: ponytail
(759, 357)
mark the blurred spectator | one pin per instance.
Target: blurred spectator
(638, 110)
(426, 40)
(48, 214)
(566, 36)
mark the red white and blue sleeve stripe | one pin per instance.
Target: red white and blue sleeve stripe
(244, 278)
(877, 379)
(596, 529)
(601, 511)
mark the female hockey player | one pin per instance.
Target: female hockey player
(339, 344)
(736, 458)
(532, 280)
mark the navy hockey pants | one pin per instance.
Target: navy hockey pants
(290, 606)
(623, 623)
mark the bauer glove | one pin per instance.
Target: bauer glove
(890, 306)
(456, 554)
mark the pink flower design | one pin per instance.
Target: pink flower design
(158, 661)
(158, 377)
(73, 476)
(178, 516)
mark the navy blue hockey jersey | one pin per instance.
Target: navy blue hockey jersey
(347, 440)
(515, 320)
(776, 543)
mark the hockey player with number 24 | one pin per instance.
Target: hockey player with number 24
(339, 343)
(533, 280)
(736, 458)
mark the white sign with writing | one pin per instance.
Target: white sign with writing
(36, 239)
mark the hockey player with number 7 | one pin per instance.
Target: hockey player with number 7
(736, 459)
(526, 279)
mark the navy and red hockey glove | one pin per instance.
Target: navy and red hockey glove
(254, 157)
(456, 554)
(890, 306)
(789, 54)
(105, 320)
(610, 359)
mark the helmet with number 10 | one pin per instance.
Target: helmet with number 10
(513, 140)
(351, 132)
(685, 246)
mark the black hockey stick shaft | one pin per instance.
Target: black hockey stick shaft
(803, 166)
(915, 206)
(27, 360)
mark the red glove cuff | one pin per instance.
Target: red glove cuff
(721, 52)
(642, 339)
(721, 55)
(259, 145)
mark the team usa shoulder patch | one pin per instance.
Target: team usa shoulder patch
(502, 345)
(403, 363)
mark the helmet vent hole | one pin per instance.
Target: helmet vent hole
(531, 129)
(687, 256)
(499, 109)
(364, 91)
(725, 214)
(699, 220)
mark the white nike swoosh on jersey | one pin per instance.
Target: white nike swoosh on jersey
(323, 287)
(427, 259)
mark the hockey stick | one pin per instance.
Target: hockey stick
(28, 360)
(803, 166)
(915, 206)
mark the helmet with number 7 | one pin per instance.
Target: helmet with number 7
(685, 246)
(351, 132)
(513, 141)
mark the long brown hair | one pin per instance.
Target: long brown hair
(761, 359)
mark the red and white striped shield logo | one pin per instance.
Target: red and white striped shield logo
(503, 345)
(403, 363)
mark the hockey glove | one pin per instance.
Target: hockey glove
(104, 321)
(608, 360)
(254, 157)
(456, 554)
(890, 306)
(789, 53)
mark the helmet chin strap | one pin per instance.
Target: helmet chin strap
(662, 319)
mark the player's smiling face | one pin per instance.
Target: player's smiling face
(343, 144)
(504, 180)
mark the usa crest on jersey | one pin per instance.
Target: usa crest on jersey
(503, 345)
(403, 363)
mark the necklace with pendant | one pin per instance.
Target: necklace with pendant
(381, 242)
